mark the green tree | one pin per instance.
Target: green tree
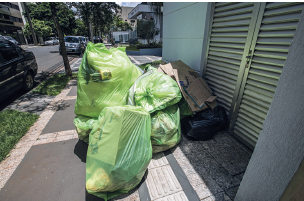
(54, 8)
(80, 29)
(146, 30)
(100, 14)
(40, 28)
(66, 16)
(119, 25)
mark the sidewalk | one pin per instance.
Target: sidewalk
(49, 164)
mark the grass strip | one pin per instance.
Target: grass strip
(54, 85)
(13, 125)
(132, 48)
(153, 63)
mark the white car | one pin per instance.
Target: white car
(51, 41)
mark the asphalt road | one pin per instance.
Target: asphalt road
(46, 56)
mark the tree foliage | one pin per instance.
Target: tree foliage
(40, 28)
(100, 14)
(146, 29)
(119, 25)
(41, 11)
(80, 29)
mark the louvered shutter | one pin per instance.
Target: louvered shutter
(229, 37)
(271, 41)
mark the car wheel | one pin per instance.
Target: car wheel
(28, 81)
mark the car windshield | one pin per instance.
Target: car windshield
(71, 39)
(49, 38)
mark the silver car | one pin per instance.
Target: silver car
(73, 44)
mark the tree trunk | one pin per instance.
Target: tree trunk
(91, 32)
(30, 23)
(67, 67)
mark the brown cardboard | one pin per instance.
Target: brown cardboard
(199, 91)
(160, 70)
(168, 70)
(184, 76)
(211, 99)
(185, 73)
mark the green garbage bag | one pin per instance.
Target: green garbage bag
(84, 126)
(119, 151)
(104, 79)
(156, 91)
(184, 108)
(149, 67)
(166, 128)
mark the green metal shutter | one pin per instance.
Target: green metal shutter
(230, 35)
(273, 35)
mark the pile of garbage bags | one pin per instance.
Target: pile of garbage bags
(124, 116)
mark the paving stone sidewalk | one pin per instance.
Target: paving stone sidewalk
(49, 164)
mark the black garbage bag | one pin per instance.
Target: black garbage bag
(205, 124)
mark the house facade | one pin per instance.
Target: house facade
(145, 12)
(243, 50)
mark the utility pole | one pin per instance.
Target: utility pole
(30, 23)
(67, 67)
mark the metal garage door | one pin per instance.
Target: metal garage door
(264, 53)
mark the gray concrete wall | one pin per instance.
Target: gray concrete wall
(279, 150)
(183, 32)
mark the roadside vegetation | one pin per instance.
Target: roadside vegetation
(54, 85)
(13, 125)
(132, 48)
(153, 63)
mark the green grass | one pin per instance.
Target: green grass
(153, 63)
(54, 85)
(13, 125)
(132, 48)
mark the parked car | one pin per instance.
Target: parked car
(18, 68)
(84, 40)
(56, 41)
(11, 39)
(73, 44)
(51, 41)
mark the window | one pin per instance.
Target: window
(5, 8)
(11, 5)
(8, 51)
(132, 20)
(7, 17)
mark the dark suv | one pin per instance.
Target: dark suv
(17, 68)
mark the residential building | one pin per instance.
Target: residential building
(144, 12)
(251, 56)
(124, 15)
(11, 22)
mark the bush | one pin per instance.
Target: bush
(150, 45)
